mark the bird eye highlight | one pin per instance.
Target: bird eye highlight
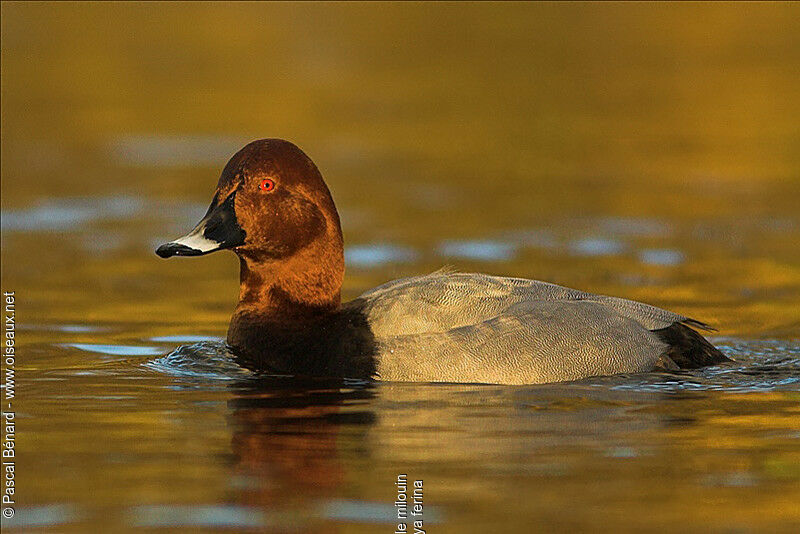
(267, 184)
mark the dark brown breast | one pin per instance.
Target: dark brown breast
(335, 344)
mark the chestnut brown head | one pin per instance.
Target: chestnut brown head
(270, 203)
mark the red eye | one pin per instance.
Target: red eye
(267, 185)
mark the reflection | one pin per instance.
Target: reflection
(114, 350)
(71, 213)
(663, 256)
(480, 250)
(286, 438)
(172, 516)
(596, 247)
(44, 516)
(377, 254)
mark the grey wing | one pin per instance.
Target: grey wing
(442, 301)
(532, 342)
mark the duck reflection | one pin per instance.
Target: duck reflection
(285, 437)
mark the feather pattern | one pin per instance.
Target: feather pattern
(479, 328)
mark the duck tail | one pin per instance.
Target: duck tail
(687, 348)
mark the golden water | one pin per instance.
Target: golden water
(645, 151)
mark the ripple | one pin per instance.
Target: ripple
(481, 250)
(596, 247)
(184, 339)
(158, 516)
(759, 365)
(661, 256)
(736, 479)
(533, 238)
(371, 512)
(621, 452)
(365, 256)
(71, 328)
(116, 350)
(207, 359)
(42, 516)
(69, 213)
(360, 511)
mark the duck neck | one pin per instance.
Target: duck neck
(286, 294)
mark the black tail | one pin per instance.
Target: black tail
(688, 349)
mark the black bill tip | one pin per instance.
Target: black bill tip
(167, 250)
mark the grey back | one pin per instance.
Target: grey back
(465, 327)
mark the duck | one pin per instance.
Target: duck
(273, 209)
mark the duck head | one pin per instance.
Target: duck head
(273, 209)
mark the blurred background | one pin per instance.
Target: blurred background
(650, 151)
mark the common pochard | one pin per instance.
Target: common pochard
(273, 209)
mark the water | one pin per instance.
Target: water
(649, 152)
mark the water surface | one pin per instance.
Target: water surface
(650, 152)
